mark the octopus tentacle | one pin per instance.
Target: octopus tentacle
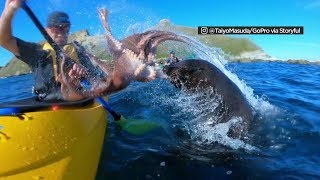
(132, 59)
(137, 64)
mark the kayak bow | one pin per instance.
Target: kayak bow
(64, 143)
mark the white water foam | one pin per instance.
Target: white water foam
(198, 114)
(219, 133)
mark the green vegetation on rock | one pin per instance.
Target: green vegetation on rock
(14, 67)
(229, 45)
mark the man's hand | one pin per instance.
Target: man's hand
(76, 72)
(14, 4)
(69, 94)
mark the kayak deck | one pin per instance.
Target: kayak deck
(64, 143)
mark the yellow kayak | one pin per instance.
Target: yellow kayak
(55, 142)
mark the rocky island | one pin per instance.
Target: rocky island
(234, 49)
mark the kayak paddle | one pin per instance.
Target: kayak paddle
(135, 127)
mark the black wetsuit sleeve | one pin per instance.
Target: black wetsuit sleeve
(29, 52)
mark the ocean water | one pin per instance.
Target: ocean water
(283, 140)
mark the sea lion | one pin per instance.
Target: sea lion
(198, 76)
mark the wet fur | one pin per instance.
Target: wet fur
(196, 75)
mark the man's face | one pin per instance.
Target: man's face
(59, 34)
(172, 55)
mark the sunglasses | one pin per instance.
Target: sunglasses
(60, 29)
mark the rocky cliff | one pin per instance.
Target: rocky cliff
(235, 49)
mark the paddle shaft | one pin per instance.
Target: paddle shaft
(43, 31)
(54, 45)
(115, 115)
(40, 27)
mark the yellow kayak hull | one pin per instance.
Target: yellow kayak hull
(63, 143)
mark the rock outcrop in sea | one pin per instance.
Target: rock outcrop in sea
(235, 49)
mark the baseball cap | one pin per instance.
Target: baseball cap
(58, 18)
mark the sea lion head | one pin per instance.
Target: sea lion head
(184, 74)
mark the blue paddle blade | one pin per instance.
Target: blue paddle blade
(9, 111)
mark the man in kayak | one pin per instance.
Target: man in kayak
(42, 58)
(171, 59)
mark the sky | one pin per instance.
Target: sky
(129, 16)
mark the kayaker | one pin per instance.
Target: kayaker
(41, 58)
(171, 59)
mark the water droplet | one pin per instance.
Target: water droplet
(163, 163)
(148, 176)
(37, 177)
(229, 172)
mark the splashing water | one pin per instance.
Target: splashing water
(199, 115)
(216, 57)
(219, 133)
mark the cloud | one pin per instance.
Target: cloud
(315, 4)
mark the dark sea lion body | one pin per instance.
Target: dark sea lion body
(196, 75)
